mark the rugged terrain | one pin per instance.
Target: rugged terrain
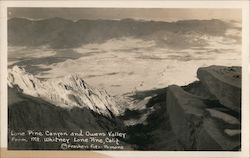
(204, 115)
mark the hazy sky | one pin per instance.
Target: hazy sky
(117, 13)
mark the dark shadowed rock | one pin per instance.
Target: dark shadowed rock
(224, 83)
(197, 127)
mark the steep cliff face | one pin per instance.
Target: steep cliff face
(208, 121)
(67, 92)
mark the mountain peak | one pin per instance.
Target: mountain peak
(74, 77)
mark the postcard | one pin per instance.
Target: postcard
(125, 78)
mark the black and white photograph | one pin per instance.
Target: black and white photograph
(130, 79)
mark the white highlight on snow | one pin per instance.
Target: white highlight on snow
(67, 92)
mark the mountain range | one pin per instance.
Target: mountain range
(62, 33)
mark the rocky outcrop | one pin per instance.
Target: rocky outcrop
(224, 83)
(206, 123)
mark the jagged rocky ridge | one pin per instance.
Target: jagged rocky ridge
(67, 92)
(200, 116)
(39, 105)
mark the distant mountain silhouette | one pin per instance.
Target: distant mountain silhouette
(62, 33)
